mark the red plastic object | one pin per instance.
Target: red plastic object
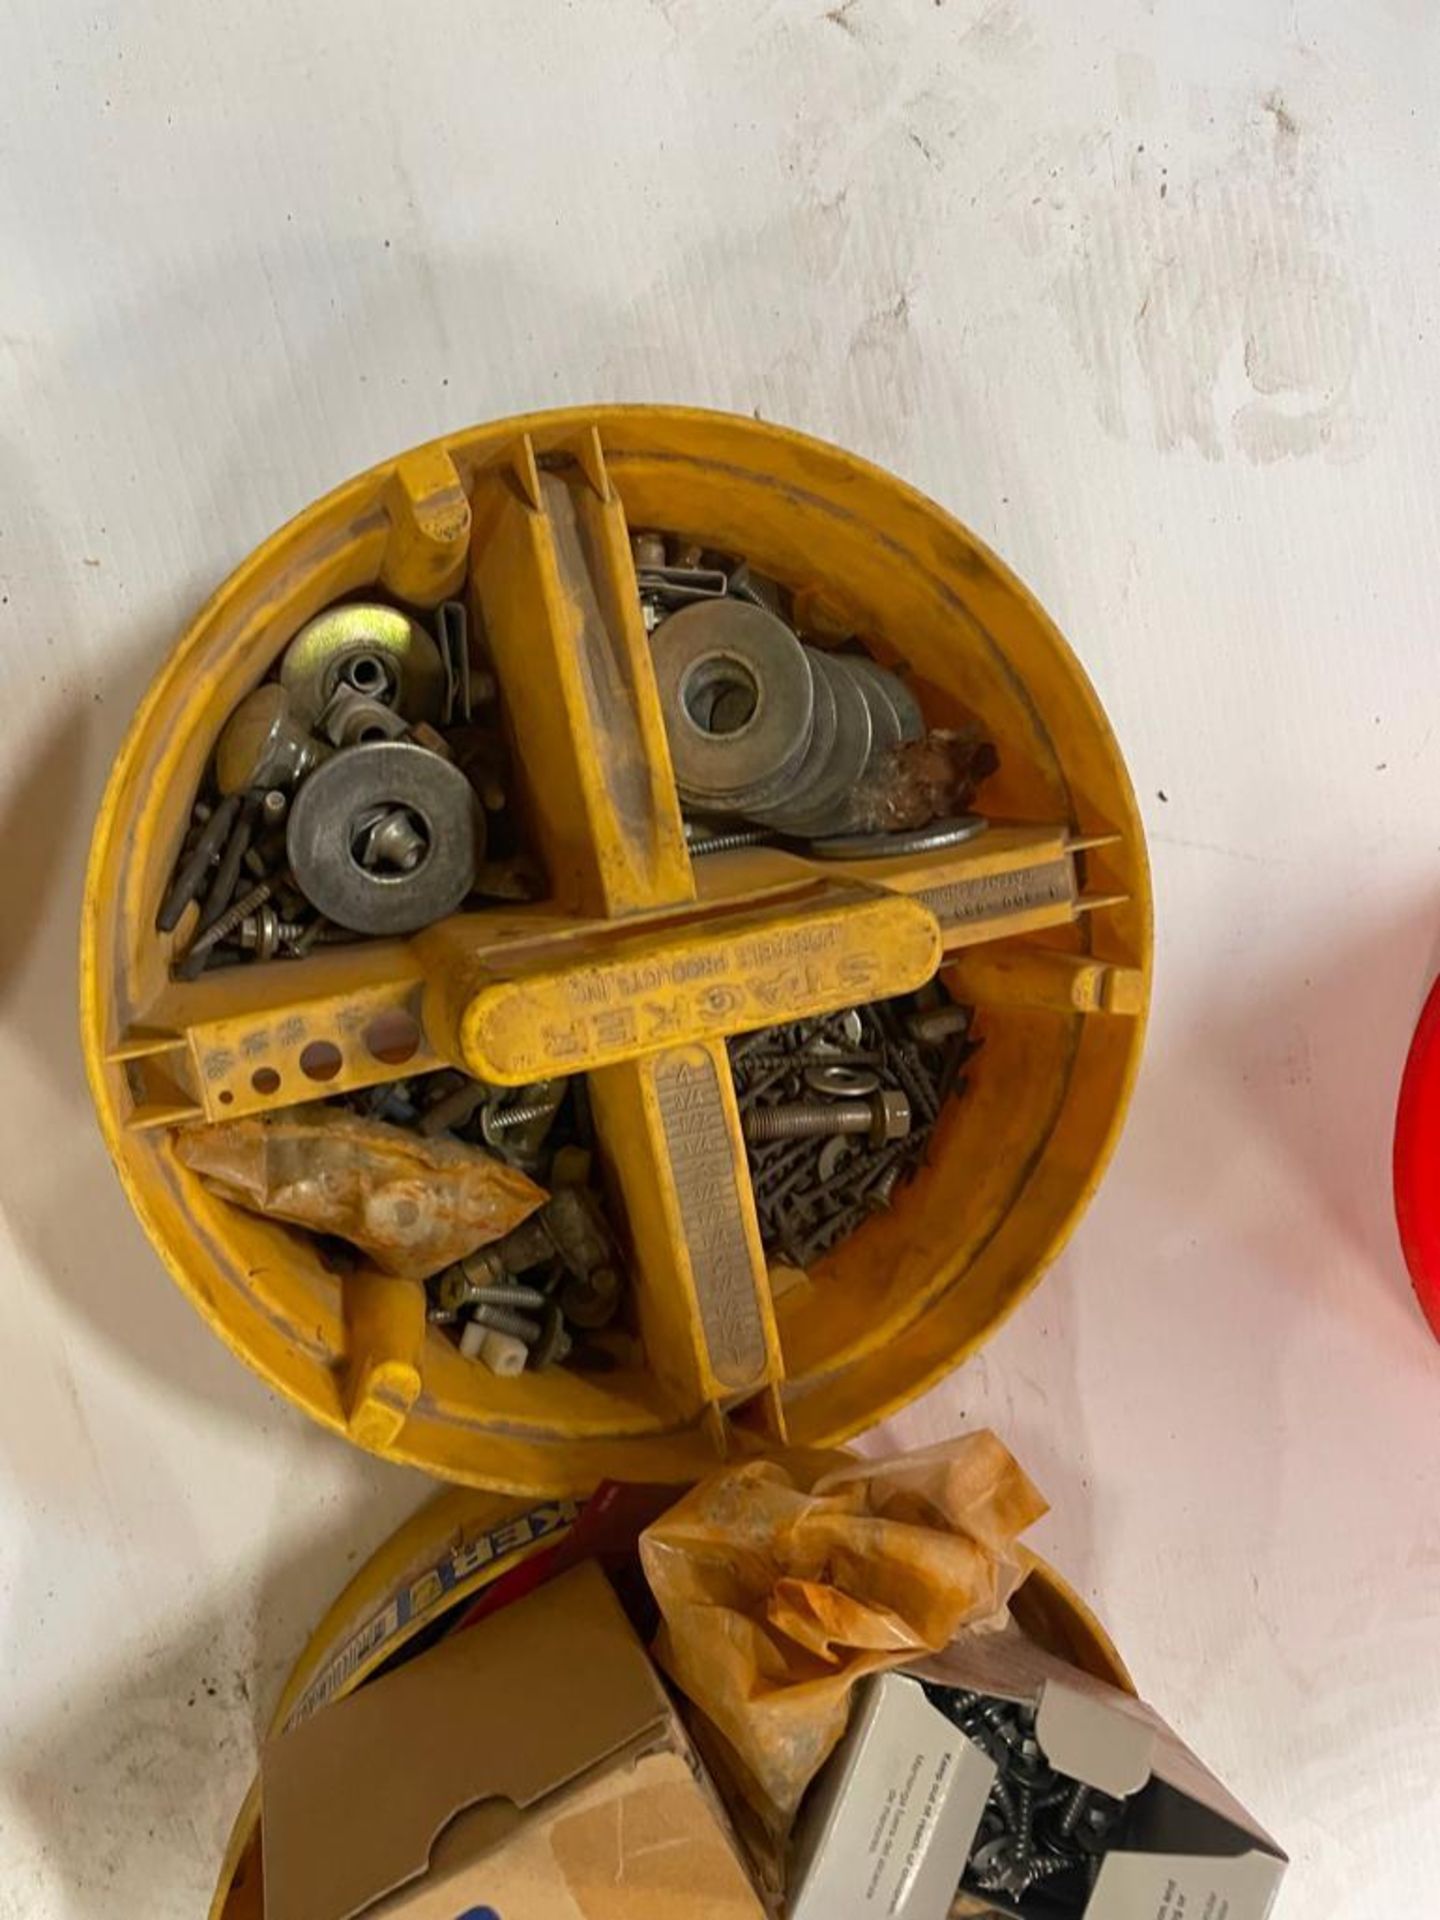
(1417, 1160)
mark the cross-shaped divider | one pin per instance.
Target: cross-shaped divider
(635, 971)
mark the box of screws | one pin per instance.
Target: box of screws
(1096, 1808)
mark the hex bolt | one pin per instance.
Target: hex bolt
(884, 1116)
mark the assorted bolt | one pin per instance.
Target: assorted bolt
(837, 1114)
(1041, 1829)
(553, 1286)
(395, 831)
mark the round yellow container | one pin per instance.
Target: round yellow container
(1042, 923)
(458, 1544)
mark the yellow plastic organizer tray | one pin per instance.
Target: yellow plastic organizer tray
(637, 965)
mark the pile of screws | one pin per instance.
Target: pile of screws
(837, 1113)
(1042, 1832)
(360, 792)
(542, 1294)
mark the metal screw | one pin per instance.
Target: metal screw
(730, 842)
(884, 1116)
(265, 932)
(222, 928)
(504, 1321)
(393, 841)
(1074, 1809)
(507, 1118)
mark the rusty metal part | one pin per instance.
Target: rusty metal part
(919, 781)
(389, 774)
(265, 743)
(377, 650)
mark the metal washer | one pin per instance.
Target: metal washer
(751, 766)
(388, 774)
(312, 664)
(828, 809)
(889, 691)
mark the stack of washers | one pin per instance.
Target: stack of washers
(767, 728)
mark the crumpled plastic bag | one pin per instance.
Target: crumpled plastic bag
(778, 1593)
(413, 1205)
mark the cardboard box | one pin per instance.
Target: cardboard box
(531, 1768)
(887, 1828)
(891, 1823)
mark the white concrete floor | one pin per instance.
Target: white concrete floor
(1145, 292)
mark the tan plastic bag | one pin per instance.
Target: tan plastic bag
(778, 1593)
(414, 1205)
